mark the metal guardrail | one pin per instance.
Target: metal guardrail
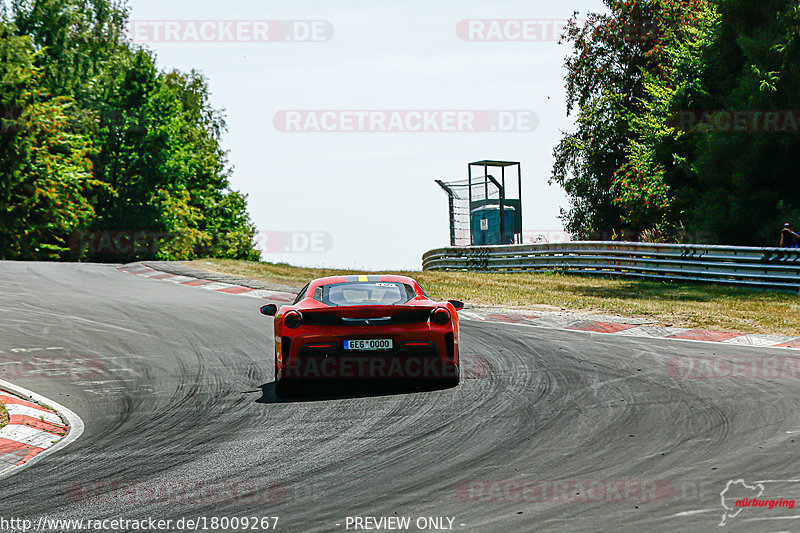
(764, 268)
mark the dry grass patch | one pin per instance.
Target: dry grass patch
(668, 303)
(3, 415)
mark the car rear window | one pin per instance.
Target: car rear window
(364, 293)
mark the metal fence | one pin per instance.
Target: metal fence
(763, 268)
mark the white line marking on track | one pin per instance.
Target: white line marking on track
(695, 511)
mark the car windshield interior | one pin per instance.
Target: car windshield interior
(365, 293)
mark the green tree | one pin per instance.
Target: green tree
(747, 181)
(46, 184)
(649, 171)
(151, 138)
(81, 45)
(162, 156)
(612, 54)
(659, 153)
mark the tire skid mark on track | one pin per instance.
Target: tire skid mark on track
(194, 403)
(563, 321)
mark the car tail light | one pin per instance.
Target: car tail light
(441, 316)
(293, 320)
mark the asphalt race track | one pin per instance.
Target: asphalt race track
(174, 386)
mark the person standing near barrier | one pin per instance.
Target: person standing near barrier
(789, 239)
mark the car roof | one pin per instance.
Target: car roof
(391, 278)
(368, 278)
(363, 278)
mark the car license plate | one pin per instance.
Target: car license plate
(368, 344)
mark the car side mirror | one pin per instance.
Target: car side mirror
(457, 304)
(269, 309)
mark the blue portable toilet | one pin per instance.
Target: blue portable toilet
(485, 223)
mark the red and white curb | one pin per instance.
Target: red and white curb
(33, 430)
(227, 288)
(565, 322)
(561, 321)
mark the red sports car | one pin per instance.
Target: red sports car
(356, 327)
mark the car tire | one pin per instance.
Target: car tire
(449, 381)
(453, 381)
(287, 388)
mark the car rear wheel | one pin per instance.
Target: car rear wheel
(450, 380)
(287, 388)
(453, 380)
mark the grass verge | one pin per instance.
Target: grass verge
(690, 305)
(3, 415)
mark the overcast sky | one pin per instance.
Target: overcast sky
(367, 199)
